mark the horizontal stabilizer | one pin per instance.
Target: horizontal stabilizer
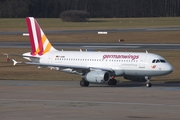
(15, 62)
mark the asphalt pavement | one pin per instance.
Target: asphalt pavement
(66, 100)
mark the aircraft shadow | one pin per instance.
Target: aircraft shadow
(137, 84)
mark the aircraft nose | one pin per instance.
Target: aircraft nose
(169, 68)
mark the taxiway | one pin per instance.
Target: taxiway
(44, 100)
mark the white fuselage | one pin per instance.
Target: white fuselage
(121, 63)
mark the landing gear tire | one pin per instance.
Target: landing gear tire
(84, 83)
(148, 85)
(112, 82)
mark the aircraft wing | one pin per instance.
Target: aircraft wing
(65, 66)
(69, 66)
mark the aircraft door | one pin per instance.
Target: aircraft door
(142, 61)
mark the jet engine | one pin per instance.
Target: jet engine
(97, 76)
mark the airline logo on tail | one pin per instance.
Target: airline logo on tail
(39, 42)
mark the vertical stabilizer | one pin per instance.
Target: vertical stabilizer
(38, 40)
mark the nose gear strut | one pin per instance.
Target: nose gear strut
(148, 84)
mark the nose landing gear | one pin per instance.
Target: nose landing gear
(148, 84)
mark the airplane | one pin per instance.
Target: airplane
(94, 67)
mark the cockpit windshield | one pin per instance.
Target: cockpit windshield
(162, 61)
(158, 61)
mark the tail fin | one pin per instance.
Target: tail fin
(39, 42)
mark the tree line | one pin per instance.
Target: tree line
(96, 8)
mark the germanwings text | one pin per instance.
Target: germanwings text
(133, 57)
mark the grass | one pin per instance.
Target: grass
(26, 72)
(129, 37)
(95, 23)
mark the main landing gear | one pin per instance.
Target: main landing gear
(112, 81)
(84, 83)
(148, 84)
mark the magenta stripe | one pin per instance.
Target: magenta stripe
(33, 49)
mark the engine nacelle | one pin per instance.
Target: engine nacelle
(136, 78)
(97, 76)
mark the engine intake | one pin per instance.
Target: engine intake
(97, 76)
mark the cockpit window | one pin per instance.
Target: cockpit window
(153, 61)
(162, 61)
(158, 61)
